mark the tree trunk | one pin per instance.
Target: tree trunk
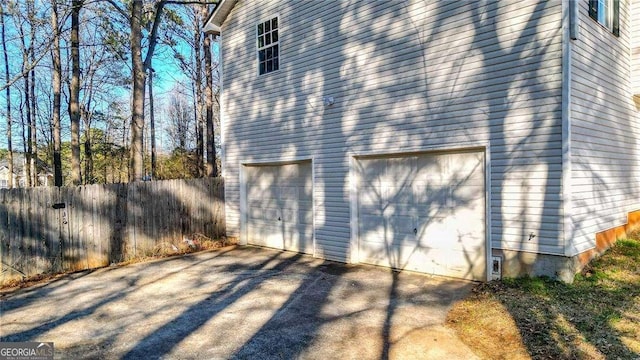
(8, 92)
(88, 154)
(212, 169)
(27, 101)
(56, 83)
(74, 92)
(34, 133)
(197, 42)
(136, 160)
(152, 125)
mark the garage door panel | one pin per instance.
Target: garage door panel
(430, 169)
(289, 216)
(255, 192)
(402, 225)
(263, 177)
(430, 216)
(372, 170)
(399, 170)
(305, 217)
(425, 195)
(279, 201)
(371, 197)
(288, 194)
(256, 211)
(472, 192)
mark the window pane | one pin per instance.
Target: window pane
(269, 66)
(276, 64)
(260, 41)
(262, 68)
(604, 12)
(260, 31)
(267, 39)
(274, 23)
(275, 50)
(261, 56)
(274, 35)
(267, 26)
(269, 53)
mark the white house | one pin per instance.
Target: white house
(4, 176)
(458, 138)
(44, 176)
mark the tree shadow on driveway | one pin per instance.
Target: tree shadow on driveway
(245, 303)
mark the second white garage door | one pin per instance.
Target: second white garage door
(424, 213)
(279, 206)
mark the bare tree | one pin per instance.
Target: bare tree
(180, 119)
(57, 89)
(8, 92)
(26, 43)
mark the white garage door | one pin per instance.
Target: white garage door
(424, 213)
(279, 206)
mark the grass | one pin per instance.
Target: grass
(596, 317)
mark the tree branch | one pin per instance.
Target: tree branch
(154, 34)
(119, 9)
(188, 2)
(27, 69)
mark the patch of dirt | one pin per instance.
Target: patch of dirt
(192, 244)
(485, 325)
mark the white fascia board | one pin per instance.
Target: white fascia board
(213, 25)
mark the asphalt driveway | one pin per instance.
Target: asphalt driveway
(238, 303)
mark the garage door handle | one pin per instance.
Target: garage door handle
(415, 231)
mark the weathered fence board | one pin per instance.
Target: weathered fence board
(52, 229)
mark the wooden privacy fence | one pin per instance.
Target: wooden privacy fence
(50, 229)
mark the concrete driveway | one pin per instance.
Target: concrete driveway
(243, 303)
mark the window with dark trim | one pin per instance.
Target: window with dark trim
(268, 46)
(607, 13)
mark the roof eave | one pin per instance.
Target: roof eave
(214, 22)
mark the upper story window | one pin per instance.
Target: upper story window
(606, 12)
(268, 46)
(4, 183)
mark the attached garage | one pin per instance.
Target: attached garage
(423, 212)
(279, 206)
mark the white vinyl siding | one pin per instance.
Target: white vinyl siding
(635, 47)
(604, 130)
(406, 77)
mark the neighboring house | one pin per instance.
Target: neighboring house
(4, 175)
(446, 137)
(45, 176)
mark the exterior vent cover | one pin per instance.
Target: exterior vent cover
(496, 267)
